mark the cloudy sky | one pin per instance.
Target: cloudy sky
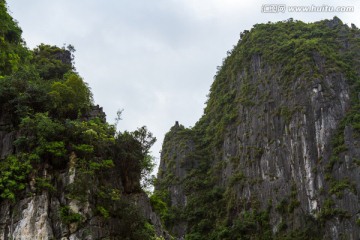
(153, 58)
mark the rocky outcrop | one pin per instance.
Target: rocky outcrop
(174, 168)
(95, 112)
(7, 135)
(29, 219)
(62, 203)
(142, 201)
(6, 144)
(279, 141)
(54, 215)
(65, 173)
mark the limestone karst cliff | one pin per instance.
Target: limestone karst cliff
(276, 153)
(65, 173)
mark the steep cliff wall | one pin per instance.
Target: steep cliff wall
(55, 214)
(275, 155)
(65, 173)
(59, 195)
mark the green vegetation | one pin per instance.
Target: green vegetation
(52, 62)
(49, 113)
(46, 105)
(13, 175)
(12, 54)
(160, 206)
(67, 216)
(338, 187)
(103, 211)
(44, 184)
(329, 211)
(71, 97)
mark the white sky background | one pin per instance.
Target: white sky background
(153, 58)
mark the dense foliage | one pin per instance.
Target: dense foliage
(47, 106)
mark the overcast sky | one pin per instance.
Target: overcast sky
(153, 58)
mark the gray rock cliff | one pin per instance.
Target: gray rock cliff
(275, 155)
(38, 214)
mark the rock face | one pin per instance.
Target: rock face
(40, 215)
(50, 213)
(275, 155)
(65, 173)
(7, 136)
(96, 112)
